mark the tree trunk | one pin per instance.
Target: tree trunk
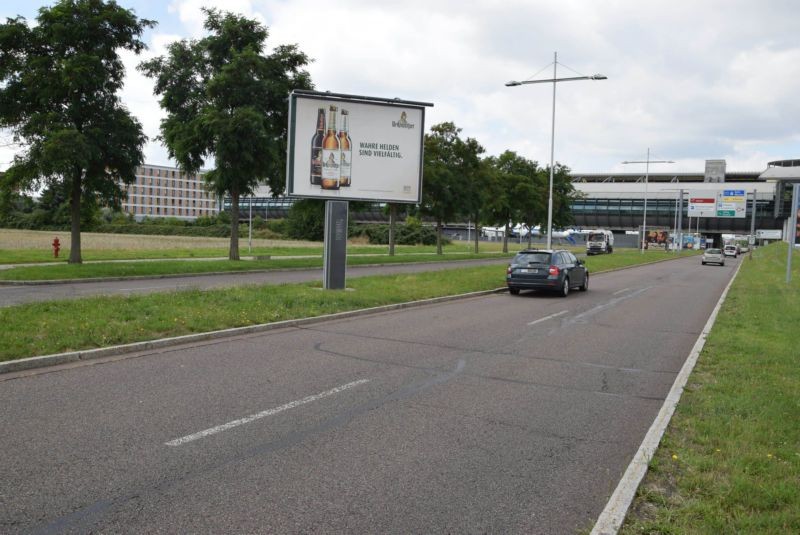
(530, 235)
(234, 251)
(476, 232)
(392, 222)
(75, 216)
(505, 238)
(438, 237)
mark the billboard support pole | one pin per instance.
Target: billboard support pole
(679, 249)
(334, 256)
(792, 234)
(752, 241)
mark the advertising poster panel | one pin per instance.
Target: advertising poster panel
(797, 221)
(657, 239)
(355, 148)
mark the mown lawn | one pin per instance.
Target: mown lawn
(730, 459)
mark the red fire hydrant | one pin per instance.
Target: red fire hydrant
(56, 247)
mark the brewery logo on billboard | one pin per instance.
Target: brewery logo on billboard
(403, 122)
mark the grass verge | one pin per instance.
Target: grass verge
(730, 459)
(620, 258)
(180, 267)
(58, 326)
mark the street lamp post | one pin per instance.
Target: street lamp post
(646, 178)
(553, 132)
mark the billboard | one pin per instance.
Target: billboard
(354, 148)
(657, 239)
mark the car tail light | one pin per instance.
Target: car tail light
(554, 271)
(508, 271)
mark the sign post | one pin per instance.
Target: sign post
(793, 231)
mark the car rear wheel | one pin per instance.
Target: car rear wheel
(513, 291)
(564, 288)
(585, 286)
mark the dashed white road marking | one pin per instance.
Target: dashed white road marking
(620, 291)
(263, 414)
(551, 316)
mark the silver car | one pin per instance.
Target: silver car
(713, 256)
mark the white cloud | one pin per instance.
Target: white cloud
(691, 80)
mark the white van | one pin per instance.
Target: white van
(599, 241)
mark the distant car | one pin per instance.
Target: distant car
(731, 250)
(545, 269)
(713, 256)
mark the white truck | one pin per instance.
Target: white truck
(599, 241)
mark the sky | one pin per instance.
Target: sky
(688, 80)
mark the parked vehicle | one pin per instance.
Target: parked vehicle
(599, 241)
(731, 250)
(544, 269)
(713, 256)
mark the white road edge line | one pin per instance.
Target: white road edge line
(624, 289)
(610, 520)
(551, 316)
(269, 412)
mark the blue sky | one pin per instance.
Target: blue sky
(690, 80)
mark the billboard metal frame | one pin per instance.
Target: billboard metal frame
(358, 99)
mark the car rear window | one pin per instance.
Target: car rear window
(532, 258)
(713, 251)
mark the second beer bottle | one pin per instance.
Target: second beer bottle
(331, 154)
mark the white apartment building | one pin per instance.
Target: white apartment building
(161, 191)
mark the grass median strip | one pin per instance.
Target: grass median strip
(173, 267)
(730, 459)
(70, 325)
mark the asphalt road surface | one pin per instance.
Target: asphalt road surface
(497, 414)
(16, 295)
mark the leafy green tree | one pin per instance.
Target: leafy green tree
(226, 99)
(474, 172)
(564, 194)
(506, 176)
(59, 81)
(530, 196)
(444, 189)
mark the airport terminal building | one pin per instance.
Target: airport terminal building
(613, 201)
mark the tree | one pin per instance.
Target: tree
(445, 190)
(564, 194)
(58, 95)
(506, 175)
(226, 99)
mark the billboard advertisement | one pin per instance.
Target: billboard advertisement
(355, 148)
(657, 239)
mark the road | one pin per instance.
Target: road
(502, 414)
(16, 295)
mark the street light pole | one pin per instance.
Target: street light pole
(552, 159)
(553, 134)
(647, 163)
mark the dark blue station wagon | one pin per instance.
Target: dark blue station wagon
(543, 269)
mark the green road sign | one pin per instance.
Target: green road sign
(726, 213)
